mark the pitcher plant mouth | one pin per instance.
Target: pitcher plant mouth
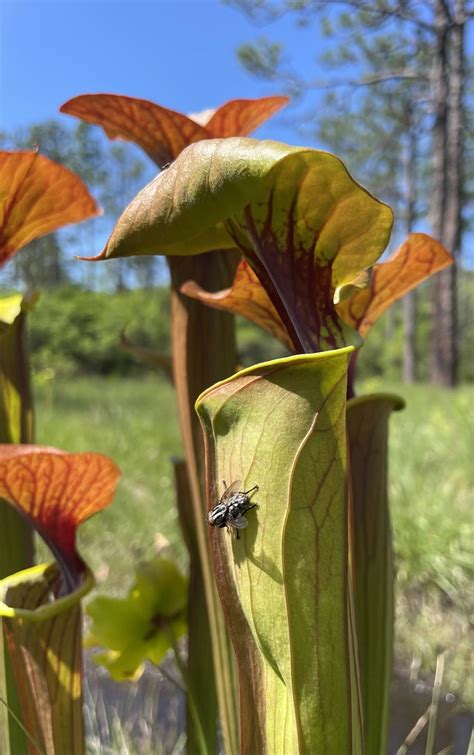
(398, 402)
(46, 611)
(274, 364)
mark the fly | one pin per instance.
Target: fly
(231, 509)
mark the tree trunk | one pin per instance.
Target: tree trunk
(409, 302)
(447, 180)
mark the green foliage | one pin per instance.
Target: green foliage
(75, 331)
(262, 59)
(78, 331)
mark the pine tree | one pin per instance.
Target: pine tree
(403, 63)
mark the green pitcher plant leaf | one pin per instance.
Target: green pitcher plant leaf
(372, 558)
(39, 607)
(37, 196)
(284, 583)
(143, 625)
(296, 214)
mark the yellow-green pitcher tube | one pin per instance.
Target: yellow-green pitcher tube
(283, 584)
(43, 631)
(372, 558)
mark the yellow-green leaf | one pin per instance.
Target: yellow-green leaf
(306, 227)
(283, 584)
(144, 624)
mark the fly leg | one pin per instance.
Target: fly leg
(252, 490)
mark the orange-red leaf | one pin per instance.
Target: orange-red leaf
(415, 260)
(163, 133)
(245, 297)
(241, 117)
(37, 196)
(160, 132)
(56, 491)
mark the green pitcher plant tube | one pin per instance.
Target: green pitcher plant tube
(371, 550)
(283, 584)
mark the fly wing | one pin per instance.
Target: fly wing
(232, 488)
(241, 523)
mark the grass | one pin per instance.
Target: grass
(432, 481)
(134, 422)
(431, 494)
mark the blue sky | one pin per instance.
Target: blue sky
(180, 53)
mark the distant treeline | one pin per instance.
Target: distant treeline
(75, 331)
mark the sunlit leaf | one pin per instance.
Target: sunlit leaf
(145, 624)
(419, 257)
(163, 133)
(37, 196)
(56, 491)
(283, 584)
(302, 222)
(241, 117)
(160, 132)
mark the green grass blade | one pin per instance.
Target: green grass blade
(430, 736)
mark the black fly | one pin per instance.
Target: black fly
(231, 509)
